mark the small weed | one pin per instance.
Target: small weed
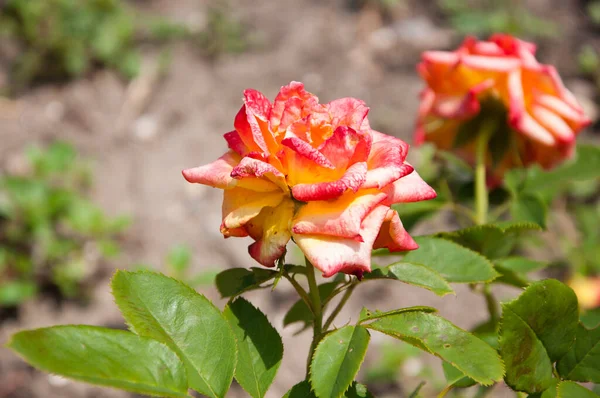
(50, 233)
(485, 17)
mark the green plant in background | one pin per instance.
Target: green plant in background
(222, 34)
(483, 17)
(50, 233)
(65, 38)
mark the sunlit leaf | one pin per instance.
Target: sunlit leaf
(453, 262)
(337, 360)
(260, 349)
(166, 310)
(106, 357)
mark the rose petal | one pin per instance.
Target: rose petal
(386, 161)
(352, 179)
(407, 189)
(251, 123)
(332, 255)
(271, 230)
(347, 146)
(341, 217)
(251, 167)
(282, 105)
(240, 205)
(553, 123)
(305, 150)
(393, 236)
(216, 174)
(235, 143)
(350, 112)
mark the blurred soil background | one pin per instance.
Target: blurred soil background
(141, 132)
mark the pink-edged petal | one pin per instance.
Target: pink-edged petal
(332, 255)
(257, 104)
(216, 174)
(271, 230)
(347, 146)
(393, 236)
(235, 143)
(386, 161)
(452, 107)
(528, 126)
(440, 57)
(305, 150)
(341, 217)
(352, 179)
(287, 107)
(240, 205)
(553, 123)
(410, 188)
(491, 64)
(513, 46)
(251, 123)
(560, 107)
(350, 112)
(251, 167)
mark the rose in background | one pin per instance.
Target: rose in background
(587, 290)
(498, 87)
(314, 173)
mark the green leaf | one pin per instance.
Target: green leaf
(570, 389)
(440, 337)
(529, 208)
(337, 360)
(510, 277)
(491, 240)
(260, 349)
(582, 362)
(584, 166)
(302, 390)
(414, 274)
(537, 329)
(455, 377)
(235, 281)
(416, 391)
(367, 315)
(15, 292)
(590, 318)
(105, 357)
(299, 312)
(520, 265)
(550, 392)
(453, 262)
(166, 310)
(413, 213)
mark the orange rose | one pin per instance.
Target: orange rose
(316, 173)
(536, 118)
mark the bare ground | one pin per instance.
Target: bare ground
(139, 150)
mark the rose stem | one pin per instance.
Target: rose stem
(317, 310)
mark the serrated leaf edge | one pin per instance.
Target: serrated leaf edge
(359, 366)
(485, 259)
(82, 379)
(387, 267)
(119, 272)
(567, 376)
(501, 337)
(492, 381)
(237, 348)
